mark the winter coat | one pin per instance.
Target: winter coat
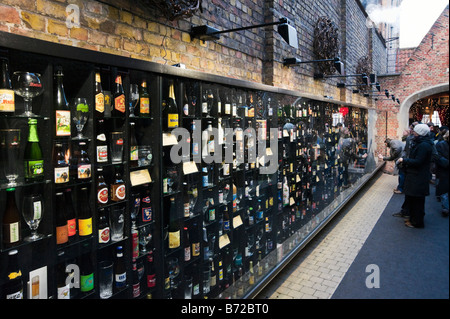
(417, 167)
(395, 150)
(442, 167)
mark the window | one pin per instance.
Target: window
(435, 119)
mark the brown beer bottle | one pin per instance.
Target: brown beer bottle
(11, 221)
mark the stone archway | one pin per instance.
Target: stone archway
(403, 113)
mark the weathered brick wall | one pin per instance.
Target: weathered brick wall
(427, 71)
(136, 29)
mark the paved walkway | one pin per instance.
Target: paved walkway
(317, 270)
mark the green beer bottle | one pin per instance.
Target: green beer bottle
(33, 160)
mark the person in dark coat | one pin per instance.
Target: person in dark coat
(442, 175)
(417, 169)
(395, 152)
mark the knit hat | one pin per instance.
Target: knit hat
(422, 129)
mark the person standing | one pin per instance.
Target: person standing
(395, 152)
(442, 175)
(417, 168)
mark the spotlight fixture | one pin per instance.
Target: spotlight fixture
(338, 64)
(287, 31)
(343, 85)
(363, 76)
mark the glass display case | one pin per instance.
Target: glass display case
(180, 184)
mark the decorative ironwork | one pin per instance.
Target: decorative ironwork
(326, 43)
(364, 66)
(177, 9)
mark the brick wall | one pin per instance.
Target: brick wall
(427, 70)
(136, 29)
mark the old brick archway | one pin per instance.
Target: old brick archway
(403, 113)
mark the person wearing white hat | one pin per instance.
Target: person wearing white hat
(417, 169)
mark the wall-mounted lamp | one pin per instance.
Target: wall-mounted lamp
(343, 85)
(287, 31)
(363, 76)
(338, 64)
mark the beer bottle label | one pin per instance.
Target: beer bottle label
(144, 106)
(87, 282)
(62, 235)
(146, 214)
(85, 226)
(15, 295)
(100, 102)
(174, 239)
(172, 120)
(34, 168)
(84, 171)
(102, 153)
(6, 100)
(64, 292)
(102, 195)
(72, 227)
(62, 123)
(61, 175)
(121, 280)
(195, 249)
(103, 235)
(13, 231)
(151, 280)
(119, 103)
(133, 153)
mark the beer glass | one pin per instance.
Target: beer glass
(27, 85)
(106, 279)
(10, 145)
(80, 114)
(117, 218)
(116, 147)
(32, 210)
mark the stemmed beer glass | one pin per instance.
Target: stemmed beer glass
(27, 85)
(80, 115)
(32, 211)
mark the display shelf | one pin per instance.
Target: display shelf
(244, 223)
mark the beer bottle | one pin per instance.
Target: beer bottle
(171, 110)
(118, 187)
(144, 100)
(33, 159)
(118, 99)
(86, 274)
(120, 272)
(62, 230)
(11, 220)
(7, 104)
(61, 106)
(99, 109)
(102, 188)
(84, 164)
(174, 226)
(84, 214)
(146, 207)
(103, 227)
(61, 167)
(13, 288)
(133, 146)
(151, 273)
(186, 244)
(101, 143)
(71, 218)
